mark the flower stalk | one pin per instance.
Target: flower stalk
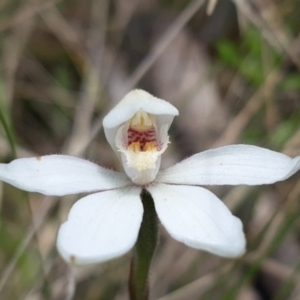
(144, 251)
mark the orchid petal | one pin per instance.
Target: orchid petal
(59, 175)
(101, 226)
(197, 218)
(236, 164)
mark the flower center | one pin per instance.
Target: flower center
(142, 133)
(141, 143)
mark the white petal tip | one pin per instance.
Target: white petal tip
(234, 249)
(81, 260)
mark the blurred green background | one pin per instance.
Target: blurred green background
(233, 75)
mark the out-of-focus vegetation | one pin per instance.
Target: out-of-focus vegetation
(233, 75)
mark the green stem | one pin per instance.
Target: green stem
(144, 250)
(8, 134)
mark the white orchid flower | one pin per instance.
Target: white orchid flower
(105, 224)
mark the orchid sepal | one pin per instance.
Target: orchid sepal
(58, 175)
(232, 165)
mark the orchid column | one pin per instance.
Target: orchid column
(106, 224)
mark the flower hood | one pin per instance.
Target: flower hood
(137, 130)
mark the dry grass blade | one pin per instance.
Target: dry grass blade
(29, 12)
(277, 38)
(92, 88)
(195, 288)
(67, 34)
(41, 215)
(13, 50)
(235, 128)
(211, 6)
(163, 42)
